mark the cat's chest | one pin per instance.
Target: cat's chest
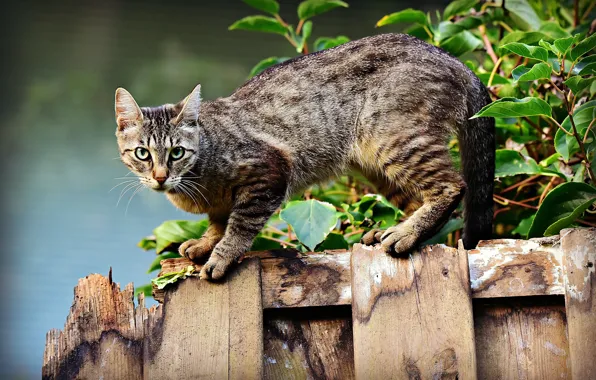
(194, 204)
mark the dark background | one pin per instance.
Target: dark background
(61, 63)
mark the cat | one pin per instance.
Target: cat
(384, 105)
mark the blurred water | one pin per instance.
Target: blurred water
(61, 65)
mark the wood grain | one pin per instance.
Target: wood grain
(103, 334)
(310, 345)
(412, 317)
(509, 268)
(522, 341)
(498, 268)
(318, 279)
(210, 330)
(579, 250)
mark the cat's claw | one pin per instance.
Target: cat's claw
(215, 268)
(195, 249)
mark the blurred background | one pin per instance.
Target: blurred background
(61, 63)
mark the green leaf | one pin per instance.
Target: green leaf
(146, 289)
(523, 14)
(261, 243)
(269, 6)
(311, 220)
(589, 69)
(563, 44)
(513, 107)
(461, 43)
(171, 277)
(265, 64)
(511, 162)
(407, 15)
(458, 7)
(323, 43)
(579, 67)
(306, 32)
(535, 52)
(528, 38)
(384, 214)
(311, 8)
(497, 79)
(550, 160)
(524, 226)
(582, 116)
(156, 263)
(449, 227)
(447, 29)
(583, 47)
(178, 231)
(333, 241)
(260, 24)
(525, 73)
(148, 243)
(577, 84)
(561, 207)
(550, 47)
(554, 30)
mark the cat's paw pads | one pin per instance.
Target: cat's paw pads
(399, 240)
(372, 237)
(215, 268)
(195, 249)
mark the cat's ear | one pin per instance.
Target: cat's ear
(191, 105)
(128, 112)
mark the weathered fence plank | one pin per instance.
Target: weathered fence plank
(498, 268)
(308, 347)
(103, 334)
(412, 317)
(521, 341)
(210, 330)
(513, 268)
(579, 262)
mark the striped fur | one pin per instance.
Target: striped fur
(384, 105)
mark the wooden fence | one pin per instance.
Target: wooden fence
(510, 309)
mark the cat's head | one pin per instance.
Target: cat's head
(159, 144)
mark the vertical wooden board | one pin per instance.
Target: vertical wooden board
(412, 317)
(313, 348)
(246, 321)
(209, 330)
(521, 341)
(579, 265)
(100, 337)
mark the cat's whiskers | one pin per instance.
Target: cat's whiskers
(187, 192)
(138, 189)
(122, 183)
(126, 189)
(192, 184)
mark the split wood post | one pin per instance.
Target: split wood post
(210, 330)
(412, 317)
(579, 265)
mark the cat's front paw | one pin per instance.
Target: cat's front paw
(215, 268)
(196, 249)
(400, 239)
(372, 237)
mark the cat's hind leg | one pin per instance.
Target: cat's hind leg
(440, 187)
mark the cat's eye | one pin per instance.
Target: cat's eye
(177, 153)
(142, 154)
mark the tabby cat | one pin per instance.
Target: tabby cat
(384, 105)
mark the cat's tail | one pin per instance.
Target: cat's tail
(477, 152)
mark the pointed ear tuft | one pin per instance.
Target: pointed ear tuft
(192, 103)
(128, 112)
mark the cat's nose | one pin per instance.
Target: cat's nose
(160, 180)
(160, 175)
